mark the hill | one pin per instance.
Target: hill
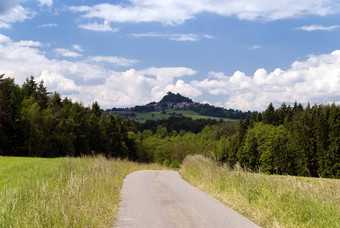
(172, 103)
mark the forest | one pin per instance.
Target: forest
(289, 140)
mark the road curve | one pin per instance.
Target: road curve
(163, 199)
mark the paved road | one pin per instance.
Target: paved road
(163, 199)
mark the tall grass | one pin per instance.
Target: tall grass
(63, 192)
(269, 201)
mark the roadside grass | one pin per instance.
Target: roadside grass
(268, 200)
(143, 117)
(62, 192)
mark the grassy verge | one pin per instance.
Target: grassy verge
(62, 192)
(269, 201)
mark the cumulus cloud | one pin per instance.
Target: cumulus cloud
(119, 61)
(57, 82)
(105, 27)
(310, 28)
(86, 81)
(177, 12)
(315, 80)
(20, 61)
(67, 53)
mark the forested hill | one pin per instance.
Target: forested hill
(173, 101)
(175, 98)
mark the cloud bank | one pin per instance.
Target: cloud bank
(315, 80)
(177, 11)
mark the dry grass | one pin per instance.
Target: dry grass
(64, 192)
(269, 201)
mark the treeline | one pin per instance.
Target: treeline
(174, 123)
(210, 110)
(293, 140)
(288, 140)
(302, 141)
(36, 123)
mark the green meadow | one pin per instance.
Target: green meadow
(61, 192)
(268, 200)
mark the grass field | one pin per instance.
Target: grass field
(188, 113)
(61, 192)
(269, 201)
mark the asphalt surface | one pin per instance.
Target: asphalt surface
(163, 199)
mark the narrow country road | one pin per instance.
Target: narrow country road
(163, 199)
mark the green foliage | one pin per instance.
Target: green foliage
(35, 123)
(174, 98)
(294, 141)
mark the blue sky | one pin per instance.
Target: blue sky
(233, 53)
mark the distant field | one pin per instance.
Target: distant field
(188, 113)
(268, 200)
(61, 192)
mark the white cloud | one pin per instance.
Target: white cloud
(29, 43)
(67, 53)
(6, 5)
(207, 36)
(22, 61)
(174, 36)
(50, 25)
(184, 37)
(119, 61)
(315, 80)
(77, 47)
(57, 82)
(310, 28)
(254, 47)
(183, 88)
(85, 82)
(47, 3)
(4, 25)
(15, 14)
(105, 27)
(174, 12)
